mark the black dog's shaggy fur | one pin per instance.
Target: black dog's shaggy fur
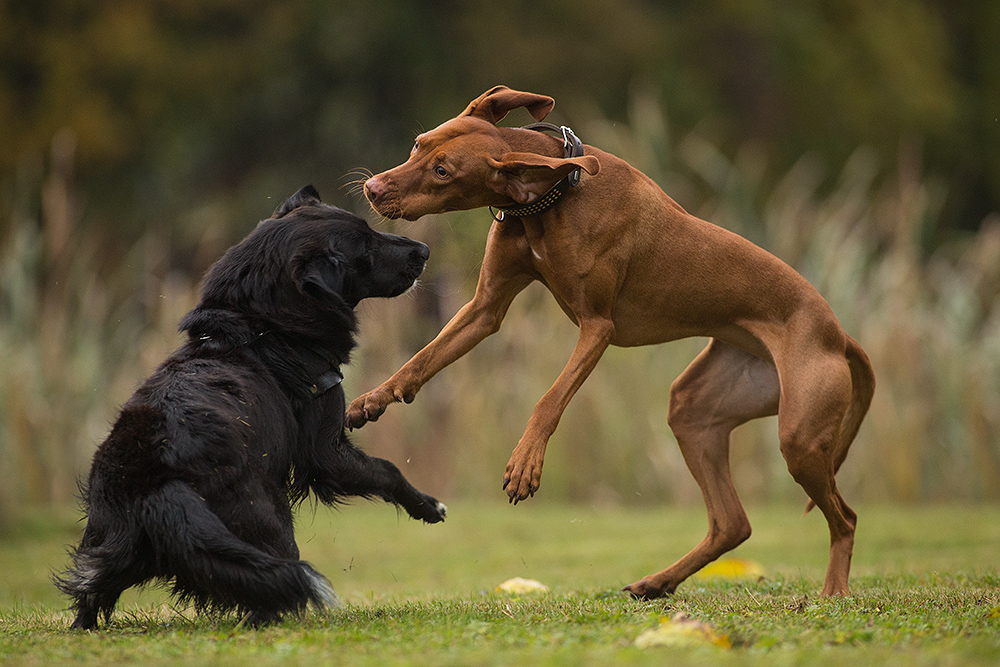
(196, 481)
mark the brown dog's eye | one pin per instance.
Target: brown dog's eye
(416, 145)
(441, 171)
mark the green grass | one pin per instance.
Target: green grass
(926, 591)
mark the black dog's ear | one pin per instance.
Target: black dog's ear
(322, 277)
(307, 196)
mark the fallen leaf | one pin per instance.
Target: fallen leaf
(681, 630)
(519, 586)
(731, 568)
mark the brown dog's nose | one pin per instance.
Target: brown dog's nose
(374, 189)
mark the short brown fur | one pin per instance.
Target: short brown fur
(630, 267)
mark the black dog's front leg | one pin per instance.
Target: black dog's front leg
(417, 504)
(351, 472)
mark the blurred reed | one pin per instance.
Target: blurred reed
(79, 328)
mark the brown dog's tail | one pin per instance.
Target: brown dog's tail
(863, 388)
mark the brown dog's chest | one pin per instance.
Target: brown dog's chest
(557, 262)
(548, 255)
(534, 235)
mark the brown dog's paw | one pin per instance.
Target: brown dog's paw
(354, 416)
(515, 494)
(644, 589)
(367, 407)
(523, 476)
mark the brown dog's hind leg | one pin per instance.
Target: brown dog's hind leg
(721, 389)
(814, 400)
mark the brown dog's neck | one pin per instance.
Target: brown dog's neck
(540, 205)
(571, 147)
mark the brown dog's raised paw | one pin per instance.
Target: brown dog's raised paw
(367, 408)
(521, 478)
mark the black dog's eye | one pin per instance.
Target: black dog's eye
(364, 262)
(441, 171)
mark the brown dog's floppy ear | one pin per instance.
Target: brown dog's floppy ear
(524, 177)
(307, 196)
(496, 102)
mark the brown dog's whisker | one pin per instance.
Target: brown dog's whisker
(382, 219)
(363, 172)
(355, 182)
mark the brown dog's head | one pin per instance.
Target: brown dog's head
(468, 162)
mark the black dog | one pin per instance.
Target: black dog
(196, 481)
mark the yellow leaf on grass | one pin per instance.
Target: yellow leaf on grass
(731, 568)
(519, 586)
(681, 630)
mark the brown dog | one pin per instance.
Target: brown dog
(631, 267)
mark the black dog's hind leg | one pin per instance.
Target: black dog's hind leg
(351, 472)
(91, 606)
(214, 568)
(99, 574)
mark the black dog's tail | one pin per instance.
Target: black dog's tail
(210, 566)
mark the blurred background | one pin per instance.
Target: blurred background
(859, 141)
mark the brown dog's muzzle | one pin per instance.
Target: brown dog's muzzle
(374, 189)
(381, 196)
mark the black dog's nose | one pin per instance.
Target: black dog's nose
(422, 251)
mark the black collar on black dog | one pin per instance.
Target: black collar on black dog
(329, 378)
(326, 382)
(572, 147)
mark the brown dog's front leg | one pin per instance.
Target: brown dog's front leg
(469, 326)
(524, 469)
(472, 323)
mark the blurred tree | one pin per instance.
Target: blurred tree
(174, 101)
(139, 137)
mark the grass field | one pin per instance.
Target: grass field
(926, 592)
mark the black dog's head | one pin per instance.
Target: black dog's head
(338, 256)
(303, 270)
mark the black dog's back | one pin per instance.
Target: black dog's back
(194, 484)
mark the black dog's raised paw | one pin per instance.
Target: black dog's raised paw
(430, 510)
